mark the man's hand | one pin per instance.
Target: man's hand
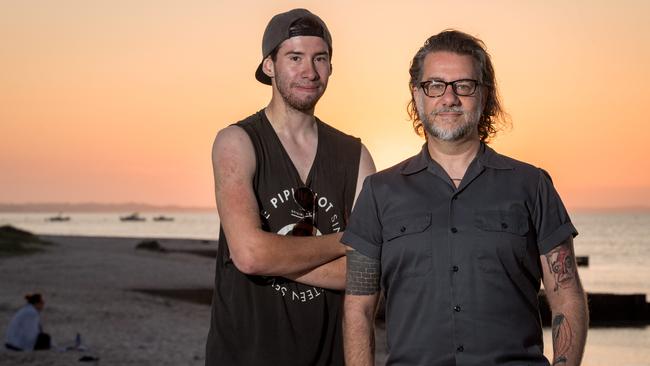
(330, 275)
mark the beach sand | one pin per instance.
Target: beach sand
(112, 295)
(87, 284)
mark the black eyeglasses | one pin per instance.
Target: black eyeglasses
(306, 199)
(462, 87)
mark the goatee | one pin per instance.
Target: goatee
(468, 125)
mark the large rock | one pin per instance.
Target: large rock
(14, 241)
(152, 245)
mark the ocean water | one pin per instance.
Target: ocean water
(185, 225)
(618, 246)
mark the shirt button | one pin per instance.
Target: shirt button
(460, 348)
(454, 268)
(504, 225)
(454, 230)
(402, 229)
(457, 308)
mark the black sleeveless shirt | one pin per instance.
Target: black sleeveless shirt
(262, 320)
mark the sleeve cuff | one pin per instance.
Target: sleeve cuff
(361, 245)
(557, 237)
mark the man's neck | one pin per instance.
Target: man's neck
(298, 134)
(454, 156)
(288, 121)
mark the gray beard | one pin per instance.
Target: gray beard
(470, 124)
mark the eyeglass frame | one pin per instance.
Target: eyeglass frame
(422, 85)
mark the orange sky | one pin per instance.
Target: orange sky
(116, 101)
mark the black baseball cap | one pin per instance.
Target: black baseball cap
(277, 31)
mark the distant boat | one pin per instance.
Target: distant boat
(58, 218)
(163, 218)
(132, 217)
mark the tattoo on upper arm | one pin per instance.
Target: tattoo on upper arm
(561, 339)
(562, 264)
(362, 275)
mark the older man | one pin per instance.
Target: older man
(459, 237)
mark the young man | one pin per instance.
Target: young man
(285, 183)
(458, 237)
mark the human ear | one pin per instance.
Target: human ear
(415, 92)
(268, 68)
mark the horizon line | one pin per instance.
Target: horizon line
(95, 206)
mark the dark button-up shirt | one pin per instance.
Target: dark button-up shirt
(460, 267)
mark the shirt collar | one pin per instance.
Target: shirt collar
(489, 158)
(417, 163)
(486, 157)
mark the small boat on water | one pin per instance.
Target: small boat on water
(132, 217)
(163, 218)
(58, 218)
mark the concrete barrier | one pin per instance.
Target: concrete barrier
(605, 310)
(609, 310)
(583, 261)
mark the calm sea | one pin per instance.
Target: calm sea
(184, 225)
(618, 246)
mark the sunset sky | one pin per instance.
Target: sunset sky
(119, 101)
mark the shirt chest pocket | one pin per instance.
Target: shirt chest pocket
(502, 240)
(406, 250)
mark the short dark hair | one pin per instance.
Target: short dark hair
(303, 27)
(34, 299)
(463, 44)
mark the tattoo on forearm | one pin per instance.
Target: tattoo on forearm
(561, 262)
(362, 275)
(561, 339)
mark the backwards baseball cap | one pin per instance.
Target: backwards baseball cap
(279, 29)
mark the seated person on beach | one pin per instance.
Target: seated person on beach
(25, 332)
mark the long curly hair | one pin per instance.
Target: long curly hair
(493, 117)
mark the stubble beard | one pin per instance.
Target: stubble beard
(306, 104)
(468, 125)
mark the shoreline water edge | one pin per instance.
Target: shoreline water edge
(149, 307)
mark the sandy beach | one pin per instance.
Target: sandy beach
(131, 307)
(88, 285)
